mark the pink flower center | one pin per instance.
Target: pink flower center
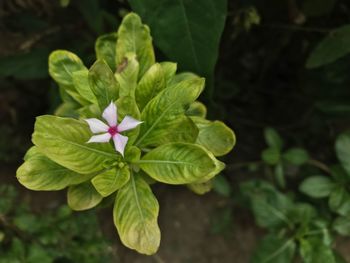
(113, 130)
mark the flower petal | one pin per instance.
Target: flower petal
(128, 123)
(110, 114)
(104, 137)
(96, 125)
(120, 142)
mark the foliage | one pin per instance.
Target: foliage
(55, 236)
(174, 145)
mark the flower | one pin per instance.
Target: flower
(113, 129)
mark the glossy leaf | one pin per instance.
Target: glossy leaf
(82, 86)
(110, 181)
(105, 49)
(169, 69)
(64, 140)
(127, 74)
(178, 163)
(83, 196)
(135, 37)
(135, 216)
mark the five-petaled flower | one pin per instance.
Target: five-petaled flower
(113, 129)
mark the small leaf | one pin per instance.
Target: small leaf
(103, 84)
(342, 148)
(83, 196)
(331, 48)
(135, 37)
(197, 109)
(41, 174)
(201, 188)
(105, 49)
(222, 186)
(279, 175)
(339, 201)
(135, 216)
(64, 140)
(127, 74)
(273, 139)
(110, 181)
(271, 156)
(296, 156)
(317, 186)
(179, 163)
(342, 225)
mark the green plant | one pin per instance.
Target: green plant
(167, 138)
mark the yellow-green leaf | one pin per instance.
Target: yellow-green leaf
(83, 196)
(105, 49)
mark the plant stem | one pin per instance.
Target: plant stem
(319, 165)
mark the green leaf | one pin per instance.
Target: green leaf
(273, 139)
(273, 249)
(317, 186)
(342, 148)
(67, 109)
(83, 196)
(135, 216)
(331, 48)
(302, 213)
(189, 21)
(103, 84)
(135, 37)
(313, 250)
(342, 225)
(271, 156)
(197, 109)
(38, 254)
(152, 82)
(201, 188)
(82, 86)
(169, 69)
(41, 174)
(179, 163)
(64, 140)
(222, 186)
(110, 181)
(105, 49)
(62, 64)
(296, 156)
(215, 136)
(339, 201)
(279, 175)
(127, 74)
(163, 116)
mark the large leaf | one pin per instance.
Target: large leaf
(105, 49)
(135, 215)
(83, 196)
(313, 250)
(127, 74)
(135, 37)
(162, 115)
(215, 136)
(110, 181)
(331, 48)
(64, 140)
(342, 148)
(103, 83)
(179, 163)
(40, 173)
(82, 86)
(152, 82)
(195, 30)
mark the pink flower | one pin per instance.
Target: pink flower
(113, 129)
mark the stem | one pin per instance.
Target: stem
(319, 165)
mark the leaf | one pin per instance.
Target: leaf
(135, 37)
(271, 156)
(179, 163)
(339, 201)
(302, 213)
(342, 225)
(342, 148)
(222, 186)
(273, 139)
(190, 22)
(110, 181)
(41, 174)
(296, 156)
(201, 188)
(105, 49)
(169, 70)
(83, 196)
(103, 84)
(317, 186)
(331, 48)
(64, 140)
(313, 250)
(197, 109)
(273, 249)
(82, 86)
(152, 82)
(135, 216)
(62, 64)
(127, 74)
(162, 115)
(215, 136)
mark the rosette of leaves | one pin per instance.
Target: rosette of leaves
(175, 144)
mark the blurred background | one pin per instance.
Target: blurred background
(274, 68)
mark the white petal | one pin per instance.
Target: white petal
(110, 114)
(120, 142)
(97, 125)
(128, 123)
(105, 137)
